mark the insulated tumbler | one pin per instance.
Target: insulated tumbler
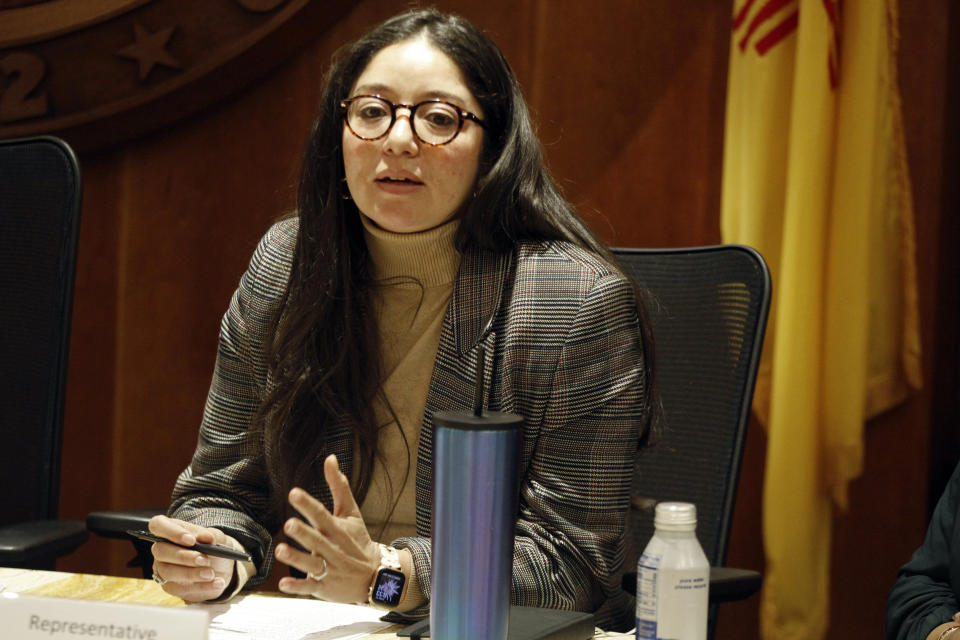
(474, 512)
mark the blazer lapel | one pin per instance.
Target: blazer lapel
(477, 296)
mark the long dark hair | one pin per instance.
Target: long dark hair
(325, 364)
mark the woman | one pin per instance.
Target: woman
(428, 229)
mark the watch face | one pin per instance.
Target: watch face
(388, 587)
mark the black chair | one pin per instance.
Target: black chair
(39, 219)
(708, 309)
(116, 523)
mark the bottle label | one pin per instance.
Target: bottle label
(647, 574)
(671, 603)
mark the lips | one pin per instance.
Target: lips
(398, 178)
(398, 181)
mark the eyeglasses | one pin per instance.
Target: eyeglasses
(433, 122)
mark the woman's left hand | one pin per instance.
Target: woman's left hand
(341, 559)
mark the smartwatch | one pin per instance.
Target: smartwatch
(388, 582)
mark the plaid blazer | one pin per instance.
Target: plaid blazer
(566, 356)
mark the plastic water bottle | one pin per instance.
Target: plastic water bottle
(673, 578)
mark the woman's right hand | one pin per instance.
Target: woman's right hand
(187, 574)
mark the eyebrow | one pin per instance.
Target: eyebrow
(429, 95)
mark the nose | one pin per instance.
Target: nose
(400, 139)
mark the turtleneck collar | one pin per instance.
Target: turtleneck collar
(428, 256)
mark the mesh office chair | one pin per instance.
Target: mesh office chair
(39, 216)
(708, 309)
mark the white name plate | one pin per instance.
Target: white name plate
(31, 617)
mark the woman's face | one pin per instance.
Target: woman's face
(401, 183)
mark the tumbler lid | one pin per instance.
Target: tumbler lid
(466, 420)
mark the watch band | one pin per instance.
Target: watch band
(389, 558)
(390, 573)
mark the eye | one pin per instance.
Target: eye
(372, 112)
(438, 116)
(371, 109)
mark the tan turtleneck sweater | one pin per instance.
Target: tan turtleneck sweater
(415, 274)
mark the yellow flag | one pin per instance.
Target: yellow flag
(815, 178)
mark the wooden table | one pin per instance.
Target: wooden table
(81, 586)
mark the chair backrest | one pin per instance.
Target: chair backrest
(39, 214)
(708, 309)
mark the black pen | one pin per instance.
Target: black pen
(215, 550)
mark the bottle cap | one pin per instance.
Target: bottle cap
(675, 516)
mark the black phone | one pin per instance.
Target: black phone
(215, 550)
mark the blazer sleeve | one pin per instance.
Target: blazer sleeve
(225, 485)
(923, 595)
(574, 502)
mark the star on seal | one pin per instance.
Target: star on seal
(149, 50)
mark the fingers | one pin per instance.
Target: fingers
(308, 563)
(297, 587)
(172, 554)
(184, 574)
(183, 532)
(327, 528)
(336, 545)
(310, 508)
(186, 587)
(310, 539)
(174, 530)
(345, 580)
(189, 574)
(311, 587)
(332, 580)
(204, 580)
(336, 542)
(344, 504)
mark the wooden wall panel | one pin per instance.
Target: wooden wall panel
(86, 469)
(628, 97)
(945, 415)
